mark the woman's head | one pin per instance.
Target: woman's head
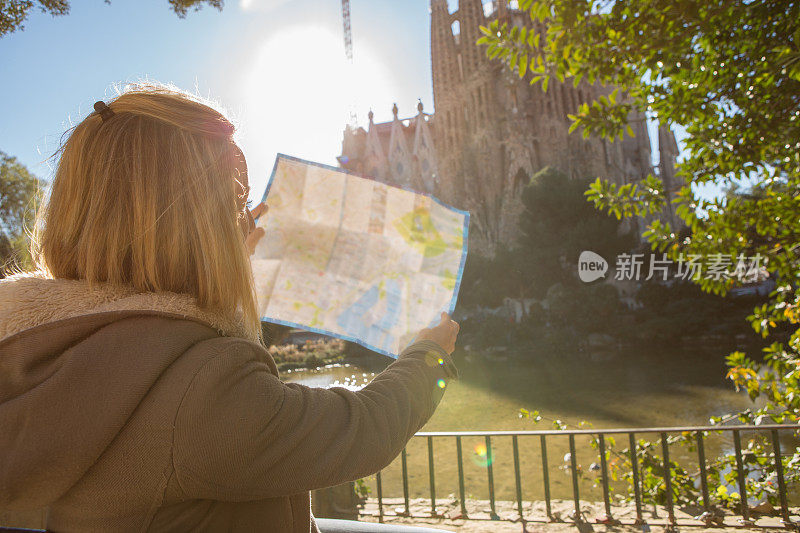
(153, 196)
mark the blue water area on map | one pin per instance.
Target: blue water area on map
(352, 319)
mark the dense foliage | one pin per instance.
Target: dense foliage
(13, 13)
(19, 194)
(729, 74)
(555, 226)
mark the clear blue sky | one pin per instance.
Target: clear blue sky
(277, 66)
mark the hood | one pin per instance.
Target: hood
(55, 421)
(32, 299)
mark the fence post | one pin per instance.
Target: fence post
(517, 477)
(701, 459)
(431, 476)
(490, 473)
(461, 491)
(378, 481)
(404, 462)
(545, 476)
(667, 478)
(637, 496)
(604, 472)
(776, 447)
(574, 464)
(737, 447)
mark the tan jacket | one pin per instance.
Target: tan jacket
(134, 412)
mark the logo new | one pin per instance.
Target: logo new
(591, 266)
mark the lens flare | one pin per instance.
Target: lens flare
(270, 99)
(441, 383)
(482, 457)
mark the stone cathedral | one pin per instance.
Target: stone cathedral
(491, 131)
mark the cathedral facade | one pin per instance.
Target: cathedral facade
(491, 131)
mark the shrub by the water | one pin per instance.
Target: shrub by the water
(311, 354)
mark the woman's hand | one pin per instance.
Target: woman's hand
(444, 333)
(255, 233)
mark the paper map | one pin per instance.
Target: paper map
(354, 258)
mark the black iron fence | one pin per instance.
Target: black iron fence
(770, 432)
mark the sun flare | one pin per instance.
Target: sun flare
(298, 93)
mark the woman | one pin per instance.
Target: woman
(135, 392)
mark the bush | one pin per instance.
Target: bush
(312, 361)
(316, 353)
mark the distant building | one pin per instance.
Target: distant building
(492, 131)
(400, 152)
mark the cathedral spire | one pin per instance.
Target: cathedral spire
(472, 12)
(502, 8)
(471, 18)
(443, 53)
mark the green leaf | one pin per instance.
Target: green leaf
(574, 125)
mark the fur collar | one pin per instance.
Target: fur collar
(31, 299)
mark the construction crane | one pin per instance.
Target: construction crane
(348, 52)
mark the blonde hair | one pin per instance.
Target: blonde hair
(149, 198)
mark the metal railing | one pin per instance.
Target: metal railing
(600, 434)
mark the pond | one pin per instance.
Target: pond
(666, 388)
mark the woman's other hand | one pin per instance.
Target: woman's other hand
(259, 210)
(444, 333)
(255, 234)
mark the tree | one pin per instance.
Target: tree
(727, 72)
(557, 225)
(19, 196)
(13, 13)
